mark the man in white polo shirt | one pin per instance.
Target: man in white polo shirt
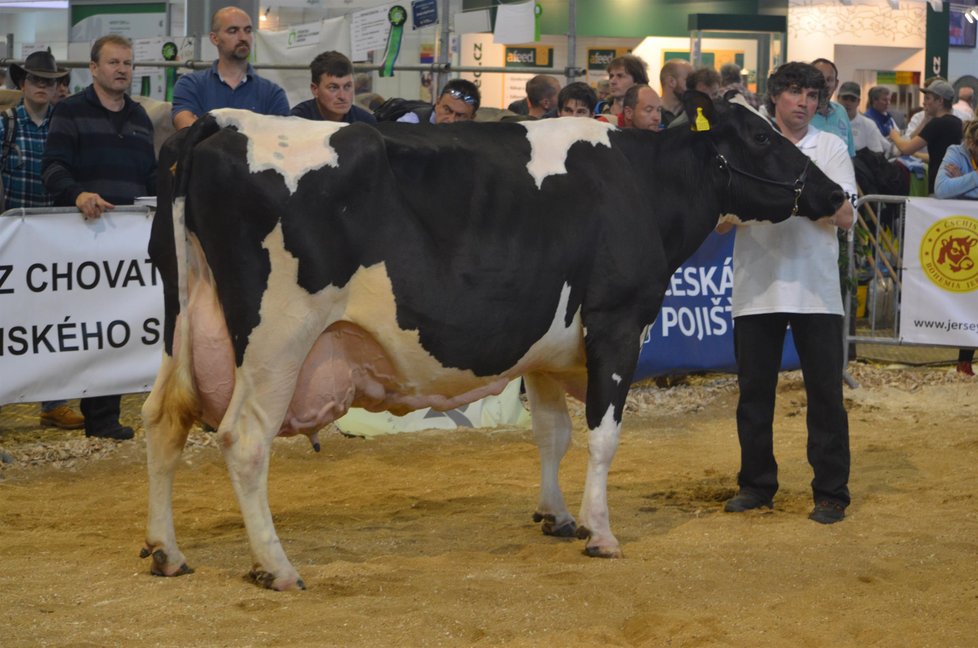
(787, 274)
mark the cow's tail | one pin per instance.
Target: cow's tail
(176, 263)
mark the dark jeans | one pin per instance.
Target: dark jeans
(101, 413)
(758, 340)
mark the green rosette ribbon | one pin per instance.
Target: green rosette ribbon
(169, 54)
(397, 17)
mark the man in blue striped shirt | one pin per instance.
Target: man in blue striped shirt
(100, 154)
(21, 170)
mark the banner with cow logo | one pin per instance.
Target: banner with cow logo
(940, 273)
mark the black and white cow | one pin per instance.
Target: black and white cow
(310, 267)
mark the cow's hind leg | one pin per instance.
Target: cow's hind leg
(552, 430)
(612, 353)
(168, 413)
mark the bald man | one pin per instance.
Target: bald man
(672, 78)
(963, 108)
(642, 109)
(231, 82)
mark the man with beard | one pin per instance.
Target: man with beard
(99, 154)
(672, 79)
(231, 82)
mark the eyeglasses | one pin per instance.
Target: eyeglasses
(461, 96)
(41, 81)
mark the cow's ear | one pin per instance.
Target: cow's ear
(700, 111)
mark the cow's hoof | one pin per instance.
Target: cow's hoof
(550, 527)
(602, 552)
(160, 566)
(269, 581)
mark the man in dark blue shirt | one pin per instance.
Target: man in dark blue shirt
(332, 91)
(231, 82)
(878, 109)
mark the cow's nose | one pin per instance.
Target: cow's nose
(837, 197)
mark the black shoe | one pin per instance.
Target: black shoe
(745, 501)
(118, 432)
(826, 512)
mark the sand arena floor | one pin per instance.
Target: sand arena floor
(426, 539)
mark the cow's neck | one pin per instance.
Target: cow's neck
(684, 186)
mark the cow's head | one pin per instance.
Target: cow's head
(767, 176)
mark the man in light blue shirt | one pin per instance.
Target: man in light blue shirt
(832, 117)
(231, 82)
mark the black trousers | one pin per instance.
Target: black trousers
(101, 413)
(758, 340)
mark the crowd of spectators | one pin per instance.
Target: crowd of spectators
(93, 150)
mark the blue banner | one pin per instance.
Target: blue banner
(694, 330)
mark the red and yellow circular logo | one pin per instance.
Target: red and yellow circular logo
(949, 254)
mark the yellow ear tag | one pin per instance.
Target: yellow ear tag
(702, 123)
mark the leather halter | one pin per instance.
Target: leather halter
(797, 186)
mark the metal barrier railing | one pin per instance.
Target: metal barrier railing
(879, 238)
(875, 272)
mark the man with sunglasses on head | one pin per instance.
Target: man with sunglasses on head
(458, 101)
(23, 133)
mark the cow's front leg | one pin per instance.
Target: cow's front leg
(611, 358)
(167, 416)
(552, 431)
(245, 437)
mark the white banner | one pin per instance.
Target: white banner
(81, 307)
(280, 47)
(940, 273)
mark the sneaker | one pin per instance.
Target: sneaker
(118, 432)
(62, 417)
(826, 512)
(745, 501)
(964, 367)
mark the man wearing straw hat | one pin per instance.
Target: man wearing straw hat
(23, 131)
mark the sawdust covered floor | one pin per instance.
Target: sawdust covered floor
(426, 540)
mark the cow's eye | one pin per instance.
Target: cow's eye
(762, 137)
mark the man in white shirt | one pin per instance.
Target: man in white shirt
(865, 134)
(787, 274)
(962, 107)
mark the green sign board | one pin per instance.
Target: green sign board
(542, 57)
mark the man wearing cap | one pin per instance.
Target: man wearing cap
(864, 131)
(21, 170)
(942, 129)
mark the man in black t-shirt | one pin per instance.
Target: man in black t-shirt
(941, 129)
